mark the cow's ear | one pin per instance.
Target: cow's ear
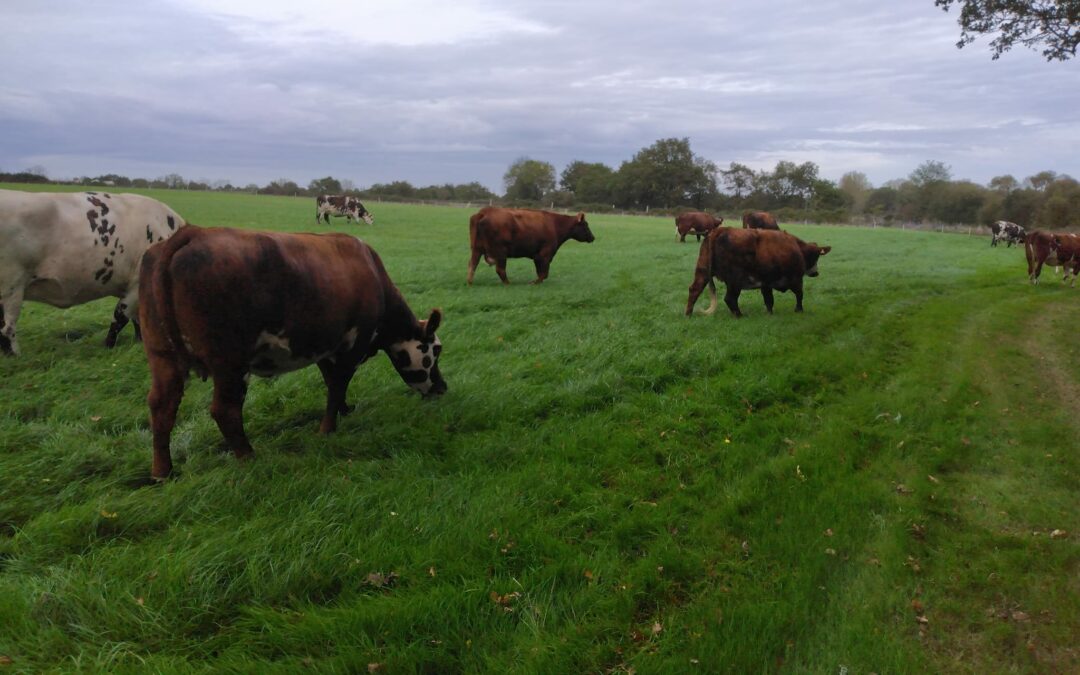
(432, 324)
(825, 249)
(581, 217)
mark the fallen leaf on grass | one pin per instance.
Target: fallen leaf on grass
(140, 602)
(917, 605)
(829, 532)
(431, 571)
(657, 628)
(922, 619)
(903, 489)
(108, 514)
(1059, 534)
(380, 580)
(5, 660)
(1020, 617)
(95, 418)
(932, 479)
(374, 667)
(504, 601)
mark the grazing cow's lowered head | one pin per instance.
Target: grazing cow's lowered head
(417, 359)
(580, 231)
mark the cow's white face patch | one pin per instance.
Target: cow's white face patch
(415, 361)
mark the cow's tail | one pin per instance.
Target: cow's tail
(703, 273)
(161, 284)
(475, 244)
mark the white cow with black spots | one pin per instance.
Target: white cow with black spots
(66, 249)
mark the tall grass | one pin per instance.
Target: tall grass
(607, 486)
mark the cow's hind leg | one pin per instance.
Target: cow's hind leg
(767, 295)
(337, 377)
(227, 409)
(166, 390)
(126, 310)
(10, 307)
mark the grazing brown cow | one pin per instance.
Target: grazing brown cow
(226, 303)
(497, 234)
(759, 220)
(745, 259)
(697, 222)
(1057, 249)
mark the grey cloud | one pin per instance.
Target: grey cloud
(851, 85)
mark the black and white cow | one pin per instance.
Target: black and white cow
(1008, 232)
(65, 249)
(341, 205)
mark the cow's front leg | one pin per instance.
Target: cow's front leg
(542, 263)
(500, 267)
(166, 390)
(337, 377)
(731, 299)
(767, 295)
(227, 409)
(10, 307)
(797, 291)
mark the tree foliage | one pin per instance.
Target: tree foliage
(1052, 25)
(529, 179)
(666, 174)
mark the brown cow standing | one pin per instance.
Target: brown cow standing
(226, 303)
(697, 222)
(497, 234)
(745, 259)
(759, 220)
(1041, 247)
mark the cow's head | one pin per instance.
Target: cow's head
(811, 253)
(417, 359)
(580, 231)
(359, 212)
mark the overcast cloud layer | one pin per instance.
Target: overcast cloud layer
(434, 92)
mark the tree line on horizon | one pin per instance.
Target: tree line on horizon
(668, 177)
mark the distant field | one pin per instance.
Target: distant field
(606, 486)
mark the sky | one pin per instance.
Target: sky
(436, 92)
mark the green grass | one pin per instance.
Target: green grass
(606, 485)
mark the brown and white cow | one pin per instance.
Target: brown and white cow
(1011, 233)
(69, 248)
(496, 234)
(746, 259)
(227, 303)
(759, 220)
(1052, 248)
(341, 205)
(697, 222)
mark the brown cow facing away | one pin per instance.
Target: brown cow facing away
(497, 234)
(759, 220)
(697, 222)
(1057, 249)
(746, 259)
(226, 303)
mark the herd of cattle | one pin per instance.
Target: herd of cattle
(229, 303)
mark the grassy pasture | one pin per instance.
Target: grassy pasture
(606, 487)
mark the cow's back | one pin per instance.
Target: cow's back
(79, 246)
(762, 255)
(223, 288)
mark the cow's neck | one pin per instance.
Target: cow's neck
(398, 322)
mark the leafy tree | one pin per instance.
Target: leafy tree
(1041, 180)
(1053, 25)
(325, 186)
(738, 178)
(665, 174)
(572, 174)
(529, 179)
(856, 188)
(957, 202)
(173, 181)
(1004, 184)
(930, 172)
